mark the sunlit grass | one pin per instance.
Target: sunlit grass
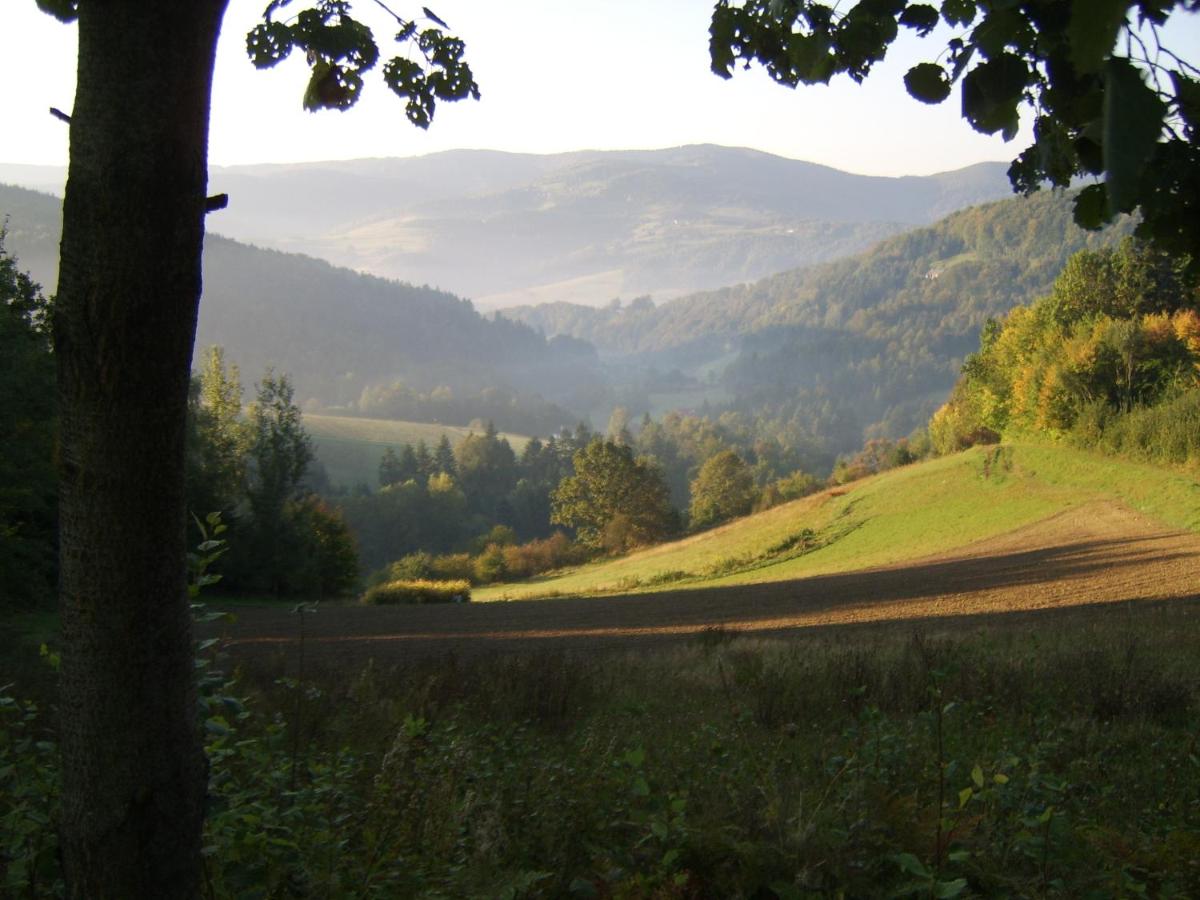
(904, 514)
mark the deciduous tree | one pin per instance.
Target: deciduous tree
(723, 490)
(613, 492)
(1108, 98)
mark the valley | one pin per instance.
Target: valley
(592, 497)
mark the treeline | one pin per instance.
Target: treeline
(1109, 359)
(441, 500)
(482, 513)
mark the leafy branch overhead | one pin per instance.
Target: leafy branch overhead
(340, 48)
(1108, 98)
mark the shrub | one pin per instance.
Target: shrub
(453, 567)
(490, 566)
(499, 535)
(544, 555)
(418, 591)
(417, 566)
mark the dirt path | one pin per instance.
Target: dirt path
(1099, 553)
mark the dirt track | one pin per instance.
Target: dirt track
(1099, 553)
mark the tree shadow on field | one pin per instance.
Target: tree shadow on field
(1083, 574)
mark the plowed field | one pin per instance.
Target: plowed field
(1100, 553)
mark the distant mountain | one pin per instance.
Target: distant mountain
(859, 347)
(507, 229)
(337, 331)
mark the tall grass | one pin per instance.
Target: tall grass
(1044, 756)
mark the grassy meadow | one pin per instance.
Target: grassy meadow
(350, 447)
(902, 514)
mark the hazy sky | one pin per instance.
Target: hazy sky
(555, 76)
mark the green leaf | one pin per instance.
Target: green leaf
(964, 797)
(1093, 31)
(959, 12)
(977, 776)
(331, 87)
(910, 864)
(1187, 98)
(928, 83)
(1003, 27)
(722, 34)
(948, 889)
(407, 79)
(921, 17)
(810, 58)
(992, 92)
(1133, 122)
(269, 43)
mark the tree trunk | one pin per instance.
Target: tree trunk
(129, 287)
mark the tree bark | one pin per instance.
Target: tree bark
(125, 318)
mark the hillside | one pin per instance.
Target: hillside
(907, 514)
(857, 347)
(585, 227)
(336, 331)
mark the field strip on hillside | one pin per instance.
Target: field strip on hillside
(1097, 553)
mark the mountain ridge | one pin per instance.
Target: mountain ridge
(585, 226)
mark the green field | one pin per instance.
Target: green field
(350, 447)
(903, 514)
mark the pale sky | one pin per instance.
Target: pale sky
(554, 76)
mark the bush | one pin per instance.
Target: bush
(545, 555)
(414, 566)
(453, 567)
(489, 565)
(418, 591)
(500, 535)
(1168, 432)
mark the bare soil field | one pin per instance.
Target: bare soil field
(1100, 553)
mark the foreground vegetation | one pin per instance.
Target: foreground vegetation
(1044, 756)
